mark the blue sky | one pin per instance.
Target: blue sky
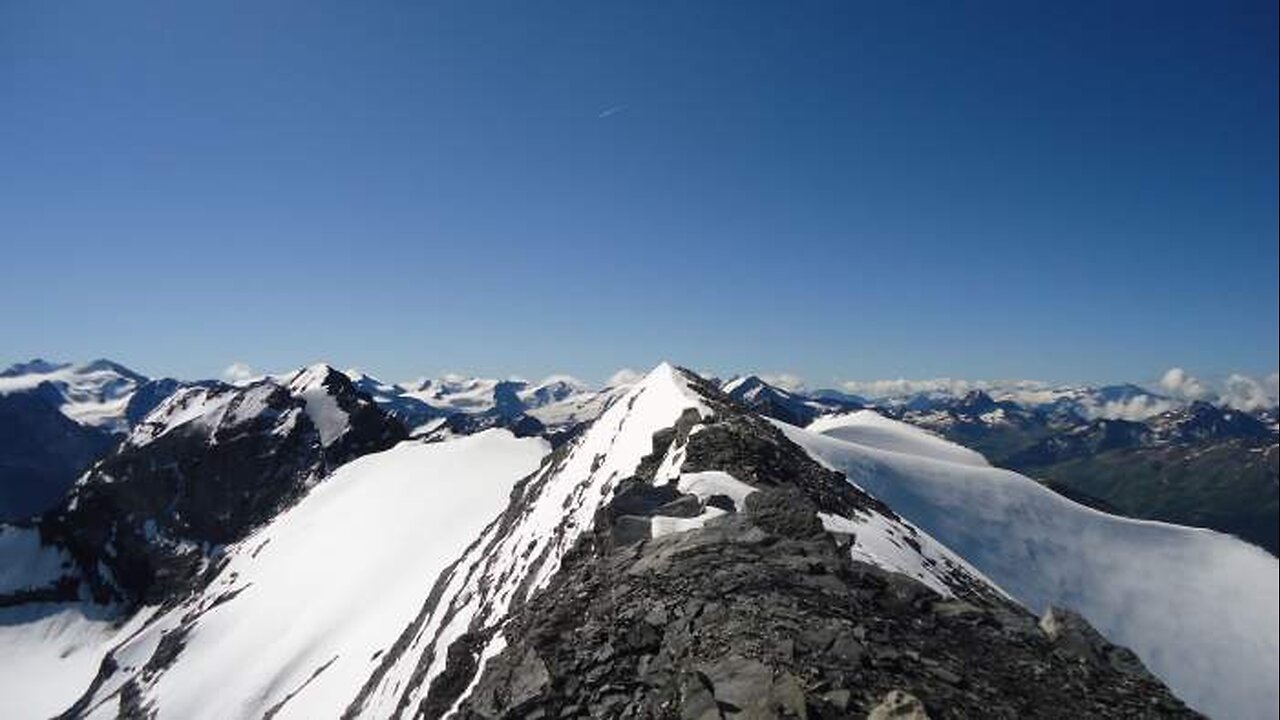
(1065, 191)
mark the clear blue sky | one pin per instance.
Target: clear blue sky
(1066, 191)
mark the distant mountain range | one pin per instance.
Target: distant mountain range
(323, 544)
(59, 418)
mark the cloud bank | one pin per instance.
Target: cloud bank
(625, 376)
(1175, 387)
(787, 381)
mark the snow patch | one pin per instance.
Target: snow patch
(715, 482)
(663, 525)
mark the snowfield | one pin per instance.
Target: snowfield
(1199, 607)
(51, 653)
(871, 429)
(299, 616)
(94, 395)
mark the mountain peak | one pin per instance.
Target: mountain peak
(104, 365)
(34, 366)
(313, 375)
(672, 381)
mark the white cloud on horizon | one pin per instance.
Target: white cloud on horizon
(950, 386)
(1180, 384)
(1135, 409)
(1247, 393)
(238, 372)
(1240, 391)
(787, 381)
(625, 376)
(562, 378)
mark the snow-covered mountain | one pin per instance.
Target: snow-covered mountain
(96, 394)
(408, 407)
(284, 548)
(784, 405)
(57, 418)
(457, 404)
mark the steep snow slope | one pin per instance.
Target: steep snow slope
(1200, 608)
(870, 429)
(49, 651)
(302, 610)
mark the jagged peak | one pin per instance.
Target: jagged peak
(675, 383)
(742, 381)
(312, 376)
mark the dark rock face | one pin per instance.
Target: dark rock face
(761, 613)
(506, 400)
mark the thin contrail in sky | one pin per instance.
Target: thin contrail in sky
(611, 111)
